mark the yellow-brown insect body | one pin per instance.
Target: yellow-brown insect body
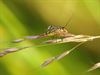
(57, 31)
(61, 32)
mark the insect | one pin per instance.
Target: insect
(58, 31)
(51, 31)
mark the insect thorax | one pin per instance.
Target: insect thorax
(57, 30)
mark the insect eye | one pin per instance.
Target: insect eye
(50, 27)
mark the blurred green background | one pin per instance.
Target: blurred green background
(19, 18)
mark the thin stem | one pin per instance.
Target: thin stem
(50, 60)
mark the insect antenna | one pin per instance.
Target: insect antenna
(68, 21)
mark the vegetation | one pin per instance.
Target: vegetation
(21, 18)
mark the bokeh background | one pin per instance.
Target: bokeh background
(19, 18)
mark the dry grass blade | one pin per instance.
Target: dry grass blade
(50, 60)
(95, 66)
(75, 38)
(29, 38)
(11, 50)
